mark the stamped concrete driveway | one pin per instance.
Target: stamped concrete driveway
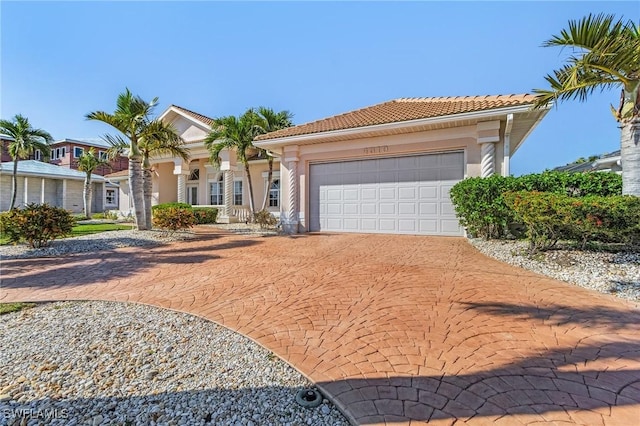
(393, 328)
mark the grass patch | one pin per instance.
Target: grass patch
(88, 229)
(80, 230)
(7, 308)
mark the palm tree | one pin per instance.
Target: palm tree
(158, 138)
(237, 133)
(26, 140)
(88, 163)
(131, 118)
(270, 121)
(606, 54)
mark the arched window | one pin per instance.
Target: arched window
(217, 192)
(274, 193)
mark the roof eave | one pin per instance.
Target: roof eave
(172, 108)
(318, 137)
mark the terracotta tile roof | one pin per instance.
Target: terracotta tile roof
(121, 173)
(403, 109)
(199, 117)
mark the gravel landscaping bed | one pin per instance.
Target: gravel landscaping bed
(94, 242)
(245, 228)
(611, 273)
(101, 363)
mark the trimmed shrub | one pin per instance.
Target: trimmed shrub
(480, 205)
(174, 219)
(205, 215)
(265, 219)
(171, 206)
(550, 217)
(37, 224)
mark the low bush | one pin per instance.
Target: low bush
(171, 206)
(205, 215)
(37, 224)
(481, 208)
(265, 219)
(550, 217)
(174, 219)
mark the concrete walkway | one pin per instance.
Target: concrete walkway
(395, 329)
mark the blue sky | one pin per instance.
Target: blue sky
(61, 60)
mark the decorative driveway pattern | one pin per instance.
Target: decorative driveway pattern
(393, 328)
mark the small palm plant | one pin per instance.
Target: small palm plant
(88, 163)
(26, 140)
(605, 55)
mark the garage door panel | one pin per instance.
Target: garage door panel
(407, 195)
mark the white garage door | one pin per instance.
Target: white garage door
(400, 195)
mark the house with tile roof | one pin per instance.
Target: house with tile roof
(40, 182)
(388, 168)
(200, 183)
(385, 168)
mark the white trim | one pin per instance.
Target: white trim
(276, 175)
(506, 159)
(74, 151)
(494, 113)
(172, 108)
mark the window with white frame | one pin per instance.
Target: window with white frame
(237, 193)
(58, 151)
(37, 155)
(274, 193)
(102, 155)
(195, 174)
(216, 190)
(110, 195)
(77, 152)
(63, 151)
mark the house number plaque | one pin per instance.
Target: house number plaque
(376, 149)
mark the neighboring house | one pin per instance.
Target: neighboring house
(40, 182)
(606, 163)
(5, 140)
(388, 168)
(200, 183)
(66, 153)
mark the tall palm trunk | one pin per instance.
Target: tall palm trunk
(88, 195)
(135, 187)
(14, 184)
(147, 189)
(269, 178)
(251, 206)
(630, 157)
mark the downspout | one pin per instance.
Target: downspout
(506, 169)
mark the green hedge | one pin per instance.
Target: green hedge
(171, 206)
(551, 217)
(481, 208)
(203, 215)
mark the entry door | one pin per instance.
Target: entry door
(399, 195)
(192, 194)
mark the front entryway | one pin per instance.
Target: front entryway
(192, 194)
(399, 195)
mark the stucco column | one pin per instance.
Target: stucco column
(228, 193)
(25, 195)
(64, 193)
(182, 188)
(488, 133)
(290, 212)
(488, 160)
(181, 169)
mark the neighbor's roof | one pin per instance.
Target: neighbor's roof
(40, 169)
(403, 109)
(121, 173)
(97, 142)
(588, 166)
(203, 118)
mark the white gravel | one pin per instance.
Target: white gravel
(99, 363)
(94, 242)
(611, 273)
